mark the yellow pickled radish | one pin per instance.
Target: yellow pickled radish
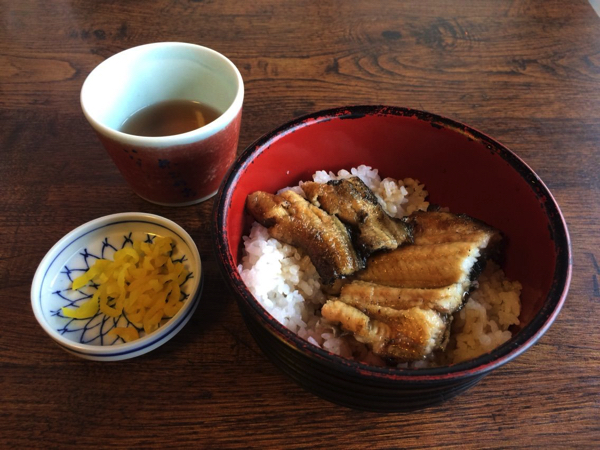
(86, 310)
(128, 334)
(125, 252)
(84, 279)
(108, 310)
(142, 283)
(151, 322)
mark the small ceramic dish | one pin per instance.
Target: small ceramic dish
(89, 338)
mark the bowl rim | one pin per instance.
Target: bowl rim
(519, 343)
(145, 343)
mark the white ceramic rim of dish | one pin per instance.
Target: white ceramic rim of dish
(144, 344)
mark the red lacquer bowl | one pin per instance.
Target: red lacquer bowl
(462, 169)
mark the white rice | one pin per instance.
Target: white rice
(287, 285)
(482, 324)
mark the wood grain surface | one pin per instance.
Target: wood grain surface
(524, 72)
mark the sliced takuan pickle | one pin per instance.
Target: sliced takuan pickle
(142, 283)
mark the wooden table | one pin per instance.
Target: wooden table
(525, 72)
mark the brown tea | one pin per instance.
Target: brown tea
(168, 118)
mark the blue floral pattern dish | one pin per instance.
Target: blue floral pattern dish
(76, 253)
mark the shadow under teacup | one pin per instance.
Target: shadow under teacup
(173, 170)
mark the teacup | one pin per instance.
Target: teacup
(180, 169)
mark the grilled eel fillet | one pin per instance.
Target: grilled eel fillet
(406, 335)
(398, 305)
(423, 266)
(448, 249)
(293, 220)
(445, 300)
(436, 227)
(356, 206)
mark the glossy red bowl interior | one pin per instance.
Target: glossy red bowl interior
(462, 169)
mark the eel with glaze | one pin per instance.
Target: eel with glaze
(423, 266)
(400, 304)
(413, 290)
(445, 300)
(357, 206)
(448, 249)
(436, 227)
(404, 335)
(293, 220)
